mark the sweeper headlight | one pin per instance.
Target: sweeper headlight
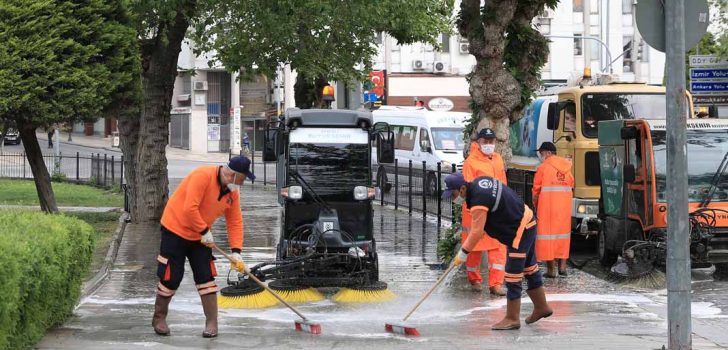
(292, 192)
(362, 192)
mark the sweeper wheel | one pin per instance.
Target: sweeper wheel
(286, 286)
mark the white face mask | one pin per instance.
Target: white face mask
(459, 201)
(487, 149)
(540, 157)
(232, 186)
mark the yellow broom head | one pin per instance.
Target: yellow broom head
(251, 297)
(373, 293)
(295, 293)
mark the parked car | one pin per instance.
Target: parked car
(12, 137)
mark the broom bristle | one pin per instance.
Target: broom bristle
(655, 279)
(307, 295)
(348, 295)
(258, 300)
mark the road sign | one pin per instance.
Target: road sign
(709, 73)
(651, 22)
(704, 100)
(707, 61)
(709, 86)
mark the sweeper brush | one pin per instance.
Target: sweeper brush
(374, 293)
(402, 327)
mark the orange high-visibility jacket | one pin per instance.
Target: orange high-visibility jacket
(552, 195)
(197, 203)
(478, 164)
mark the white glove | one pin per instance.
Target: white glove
(460, 257)
(207, 239)
(237, 262)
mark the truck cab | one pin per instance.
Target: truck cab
(571, 122)
(633, 205)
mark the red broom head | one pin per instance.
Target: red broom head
(307, 326)
(401, 329)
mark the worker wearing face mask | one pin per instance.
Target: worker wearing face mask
(203, 196)
(484, 161)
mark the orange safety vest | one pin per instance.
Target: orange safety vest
(478, 164)
(552, 195)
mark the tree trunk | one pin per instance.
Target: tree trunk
(509, 55)
(40, 172)
(144, 140)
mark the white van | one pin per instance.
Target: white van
(422, 135)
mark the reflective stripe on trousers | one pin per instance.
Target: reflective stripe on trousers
(555, 189)
(550, 237)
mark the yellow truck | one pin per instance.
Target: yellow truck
(569, 117)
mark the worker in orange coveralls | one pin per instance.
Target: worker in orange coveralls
(203, 196)
(552, 195)
(484, 161)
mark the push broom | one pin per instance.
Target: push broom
(302, 325)
(402, 327)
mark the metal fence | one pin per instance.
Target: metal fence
(416, 187)
(99, 169)
(521, 181)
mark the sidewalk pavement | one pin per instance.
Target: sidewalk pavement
(104, 143)
(590, 313)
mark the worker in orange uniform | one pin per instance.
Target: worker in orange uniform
(484, 161)
(203, 196)
(552, 195)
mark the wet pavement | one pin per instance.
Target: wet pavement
(590, 312)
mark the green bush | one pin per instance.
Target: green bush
(43, 258)
(450, 239)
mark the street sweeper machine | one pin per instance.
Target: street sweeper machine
(324, 181)
(633, 203)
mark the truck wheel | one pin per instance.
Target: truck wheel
(721, 271)
(431, 184)
(382, 182)
(607, 257)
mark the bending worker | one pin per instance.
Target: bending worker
(484, 161)
(202, 197)
(552, 186)
(498, 210)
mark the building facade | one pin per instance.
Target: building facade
(583, 33)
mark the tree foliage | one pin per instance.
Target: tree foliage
(510, 53)
(60, 61)
(720, 20)
(319, 38)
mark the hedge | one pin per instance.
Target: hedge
(43, 259)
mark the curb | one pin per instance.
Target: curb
(95, 282)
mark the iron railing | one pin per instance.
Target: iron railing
(99, 169)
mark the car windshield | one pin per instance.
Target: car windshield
(448, 139)
(603, 106)
(706, 149)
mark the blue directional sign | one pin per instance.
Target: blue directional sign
(708, 86)
(708, 73)
(369, 96)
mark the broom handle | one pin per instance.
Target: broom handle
(439, 281)
(247, 272)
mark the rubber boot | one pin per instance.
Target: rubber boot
(541, 308)
(550, 269)
(562, 267)
(476, 286)
(209, 305)
(159, 320)
(497, 290)
(512, 318)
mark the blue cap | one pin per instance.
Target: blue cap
(453, 182)
(486, 133)
(241, 164)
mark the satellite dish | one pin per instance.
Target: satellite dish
(651, 22)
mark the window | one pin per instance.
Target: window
(445, 43)
(425, 145)
(570, 117)
(578, 45)
(608, 106)
(591, 169)
(627, 6)
(378, 38)
(578, 5)
(627, 58)
(404, 137)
